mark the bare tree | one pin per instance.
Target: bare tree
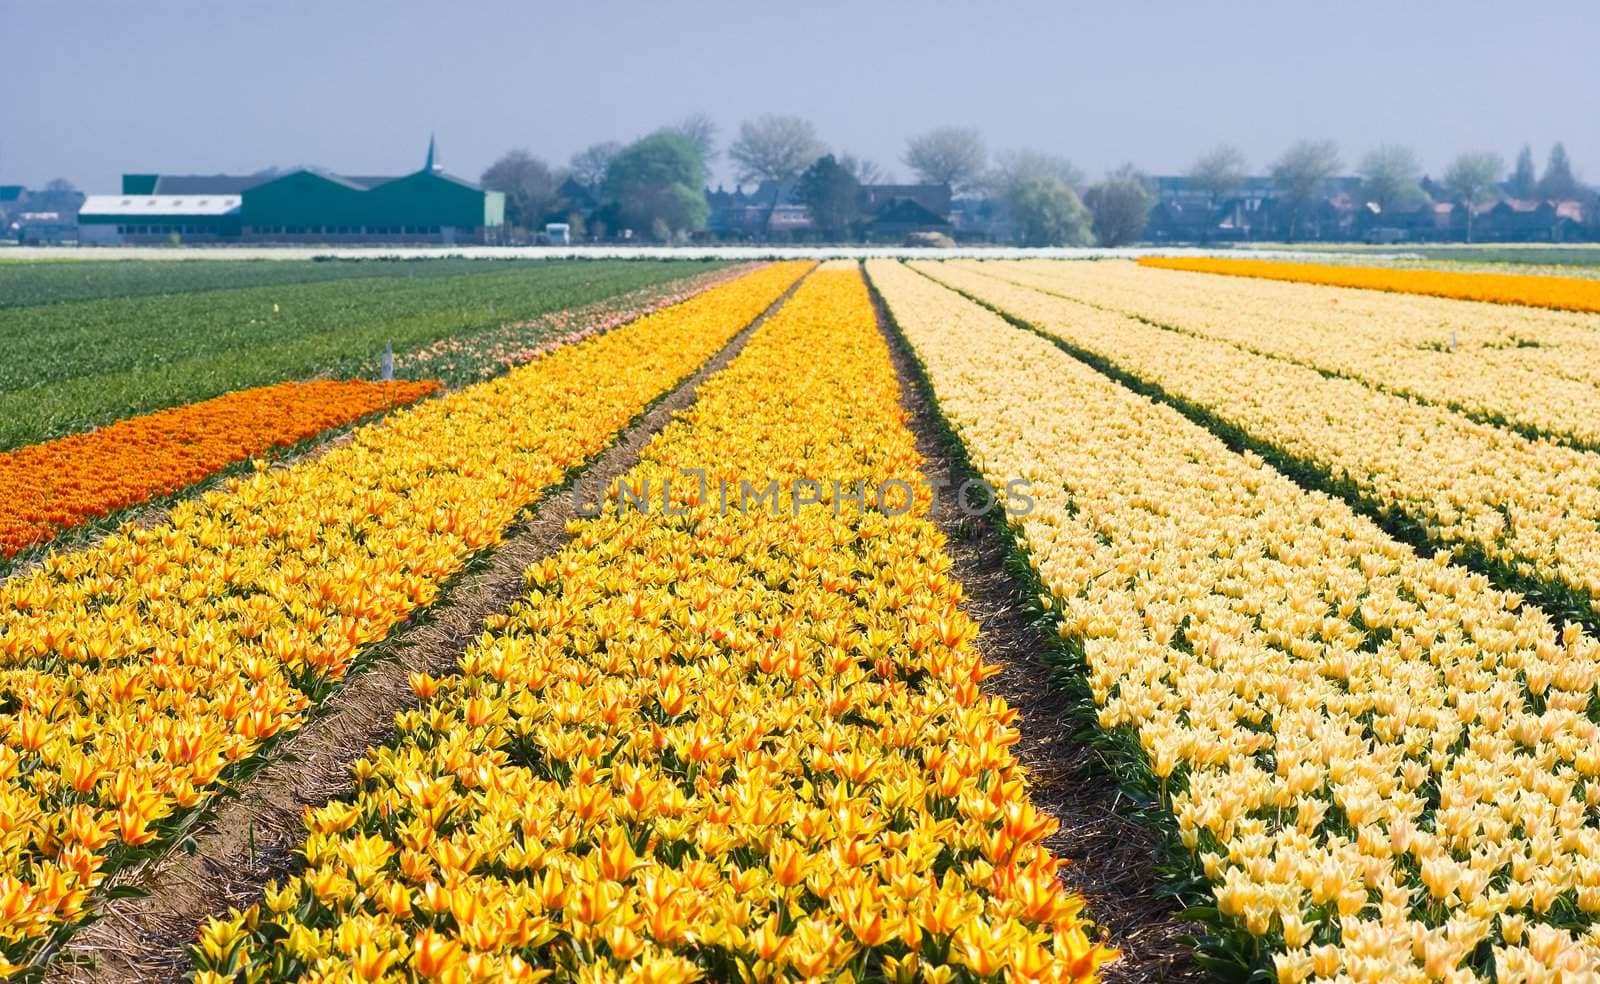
(701, 131)
(589, 164)
(529, 185)
(1391, 177)
(774, 148)
(1301, 173)
(1012, 167)
(864, 171)
(950, 155)
(1470, 180)
(1218, 172)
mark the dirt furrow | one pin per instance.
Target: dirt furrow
(250, 839)
(1112, 857)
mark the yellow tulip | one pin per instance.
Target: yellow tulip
(691, 734)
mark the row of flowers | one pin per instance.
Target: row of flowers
(1538, 371)
(66, 483)
(480, 355)
(707, 744)
(1561, 293)
(50, 487)
(1529, 507)
(1387, 770)
(139, 674)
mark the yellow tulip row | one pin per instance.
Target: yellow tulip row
(1388, 771)
(1530, 506)
(140, 673)
(711, 742)
(1536, 370)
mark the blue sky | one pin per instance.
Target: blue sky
(92, 89)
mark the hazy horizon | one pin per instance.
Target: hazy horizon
(96, 89)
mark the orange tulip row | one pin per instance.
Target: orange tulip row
(50, 487)
(140, 673)
(1562, 293)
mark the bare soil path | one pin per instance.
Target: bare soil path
(1112, 856)
(250, 839)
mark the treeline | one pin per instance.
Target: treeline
(655, 186)
(1392, 179)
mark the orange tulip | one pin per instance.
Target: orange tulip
(45, 488)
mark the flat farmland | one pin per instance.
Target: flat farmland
(81, 363)
(941, 618)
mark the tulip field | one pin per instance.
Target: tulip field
(1569, 293)
(80, 362)
(1308, 558)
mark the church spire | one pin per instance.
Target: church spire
(428, 164)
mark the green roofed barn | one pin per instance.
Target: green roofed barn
(301, 206)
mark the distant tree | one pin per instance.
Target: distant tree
(589, 164)
(530, 187)
(1470, 181)
(1301, 173)
(774, 148)
(1391, 178)
(702, 132)
(1012, 167)
(1524, 182)
(1217, 173)
(864, 171)
(833, 195)
(58, 195)
(1558, 181)
(1120, 206)
(658, 183)
(949, 155)
(1048, 213)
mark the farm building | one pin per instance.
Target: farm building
(306, 205)
(37, 216)
(111, 219)
(888, 212)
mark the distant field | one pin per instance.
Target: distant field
(1510, 285)
(23, 284)
(82, 363)
(1574, 260)
(1522, 255)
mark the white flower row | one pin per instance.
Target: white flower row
(1381, 763)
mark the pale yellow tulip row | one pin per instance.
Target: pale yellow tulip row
(1381, 763)
(710, 744)
(139, 673)
(1530, 505)
(1534, 369)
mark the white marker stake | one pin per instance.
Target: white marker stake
(388, 362)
